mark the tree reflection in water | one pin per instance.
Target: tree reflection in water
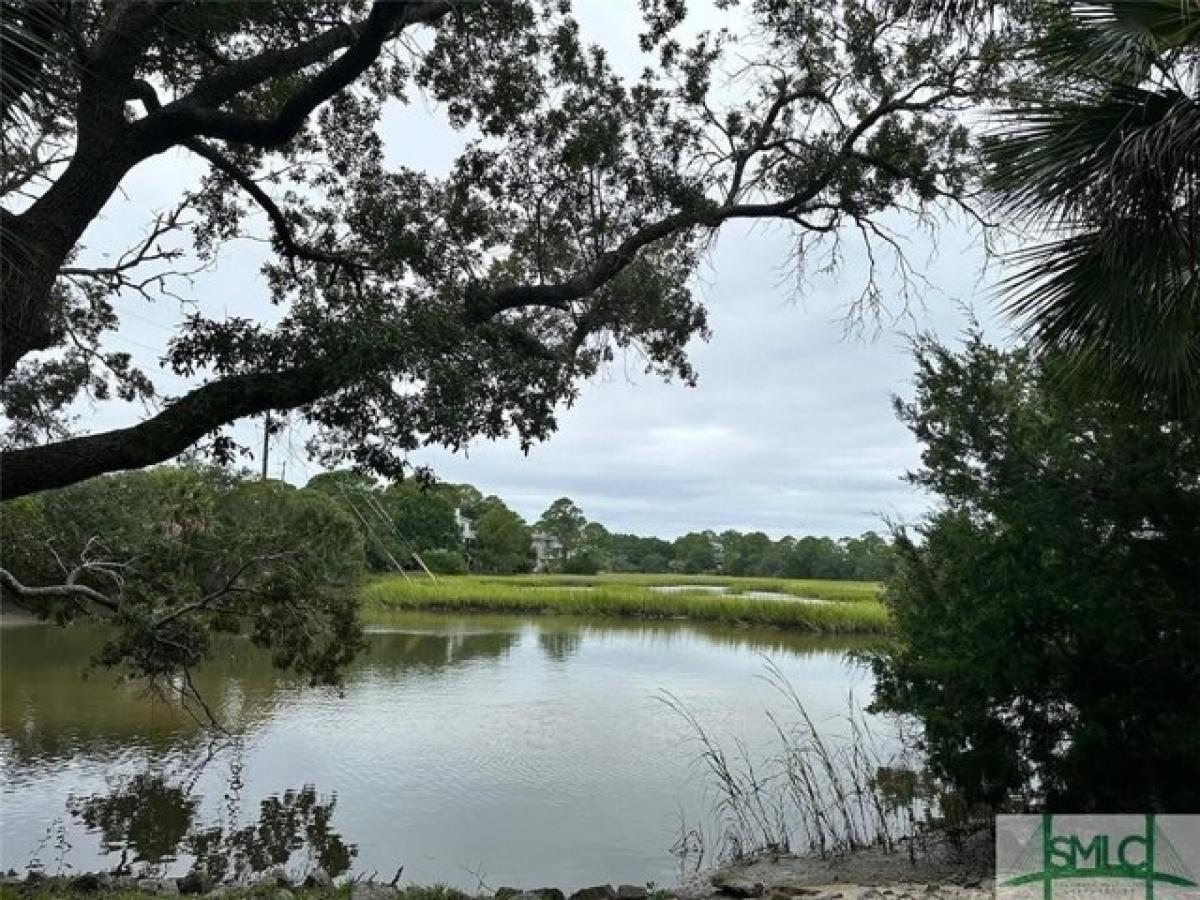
(151, 820)
(296, 822)
(560, 646)
(144, 816)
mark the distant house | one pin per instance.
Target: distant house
(718, 552)
(547, 550)
(466, 528)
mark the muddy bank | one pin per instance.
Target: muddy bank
(939, 870)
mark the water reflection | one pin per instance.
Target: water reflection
(532, 750)
(53, 704)
(151, 820)
(560, 645)
(398, 652)
(144, 816)
(297, 823)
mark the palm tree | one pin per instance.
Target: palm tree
(1101, 161)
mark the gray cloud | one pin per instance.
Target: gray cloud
(790, 429)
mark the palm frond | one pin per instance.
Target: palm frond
(1123, 301)
(1066, 158)
(1103, 169)
(1120, 41)
(27, 41)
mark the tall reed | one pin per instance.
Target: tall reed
(818, 792)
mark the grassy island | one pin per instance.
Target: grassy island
(815, 606)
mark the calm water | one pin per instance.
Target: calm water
(512, 750)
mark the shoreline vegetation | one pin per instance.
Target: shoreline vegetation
(831, 607)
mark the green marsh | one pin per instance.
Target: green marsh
(813, 606)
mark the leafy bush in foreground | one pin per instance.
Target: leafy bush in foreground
(1047, 613)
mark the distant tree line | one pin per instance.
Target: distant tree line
(408, 525)
(753, 554)
(454, 528)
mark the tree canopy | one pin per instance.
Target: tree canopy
(564, 521)
(172, 556)
(502, 541)
(416, 308)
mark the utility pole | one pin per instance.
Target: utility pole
(266, 442)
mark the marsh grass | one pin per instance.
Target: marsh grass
(806, 588)
(821, 791)
(634, 597)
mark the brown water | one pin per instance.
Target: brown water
(511, 750)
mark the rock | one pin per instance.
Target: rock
(735, 885)
(632, 892)
(124, 883)
(369, 890)
(167, 887)
(87, 883)
(284, 894)
(600, 892)
(276, 877)
(320, 879)
(195, 882)
(785, 890)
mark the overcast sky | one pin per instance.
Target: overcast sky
(790, 430)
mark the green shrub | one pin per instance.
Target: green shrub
(585, 562)
(445, 562)
(1048, 631)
